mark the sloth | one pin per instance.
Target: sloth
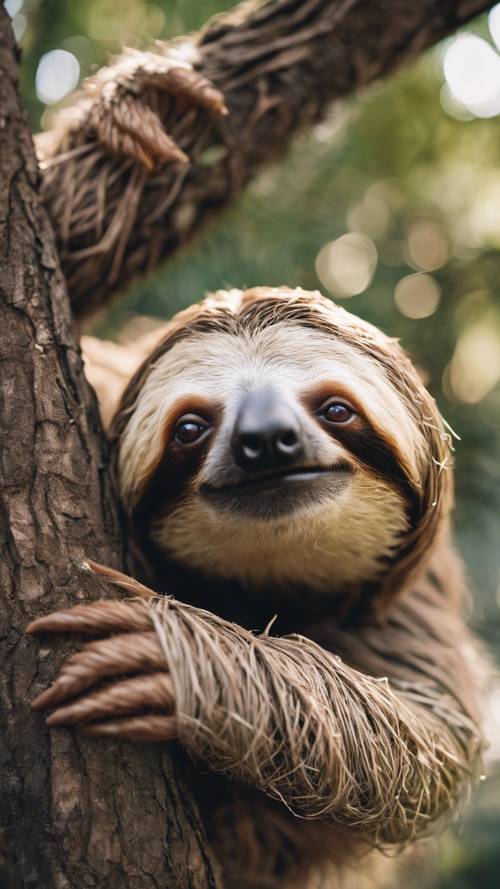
(287, 486)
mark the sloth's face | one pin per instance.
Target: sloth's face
(271, 457)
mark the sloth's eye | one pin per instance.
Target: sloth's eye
(337, 412)
(189, 429)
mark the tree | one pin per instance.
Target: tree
(73, 813)
(126, 811)
(277, 63)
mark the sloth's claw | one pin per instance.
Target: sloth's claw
(135, 650)
(186, 83)
(95, 617)
(136, 728)
(129, 696)
(127, 653)
(50, 696)
(123, 121)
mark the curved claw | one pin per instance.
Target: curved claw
(137, 728)
(128, 127)
(192, 85)
(126, 653)
(123, 121)
(94, 618)
(129, 696)
(119, 579)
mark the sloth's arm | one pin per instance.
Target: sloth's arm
(384, 747)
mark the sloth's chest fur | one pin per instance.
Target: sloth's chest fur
(291, 609)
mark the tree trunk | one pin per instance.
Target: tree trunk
(74, 813)
(278, 64)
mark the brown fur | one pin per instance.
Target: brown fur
(352, 722)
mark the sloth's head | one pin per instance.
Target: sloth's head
(274, 439)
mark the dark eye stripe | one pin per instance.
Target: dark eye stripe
(172, 475)
(374, 453)
(355, 433)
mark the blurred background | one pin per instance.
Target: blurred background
(392, 207)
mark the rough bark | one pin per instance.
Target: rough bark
(74, 813)
(279, 64)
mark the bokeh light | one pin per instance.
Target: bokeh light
(19, 20)
(483, 214)
(472, 70)
(452, 106)
(475, 367)
(347, 265)
(12, 7)
(427, 246)
(370, 216)
(57, 74)
(494, 24)
(417, 296)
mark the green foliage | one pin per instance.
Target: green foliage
(421, 191)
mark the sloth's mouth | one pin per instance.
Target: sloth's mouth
(274, 478)
(277, 492)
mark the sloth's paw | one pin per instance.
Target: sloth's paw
(118, 686)
(129, 104)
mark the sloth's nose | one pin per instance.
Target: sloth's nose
(266, 433)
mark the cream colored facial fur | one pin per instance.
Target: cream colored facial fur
(349, 535)
(324, 548)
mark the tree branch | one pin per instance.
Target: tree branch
(277, 63)
(74, 813)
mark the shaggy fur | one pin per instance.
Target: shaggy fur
(351, 721)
